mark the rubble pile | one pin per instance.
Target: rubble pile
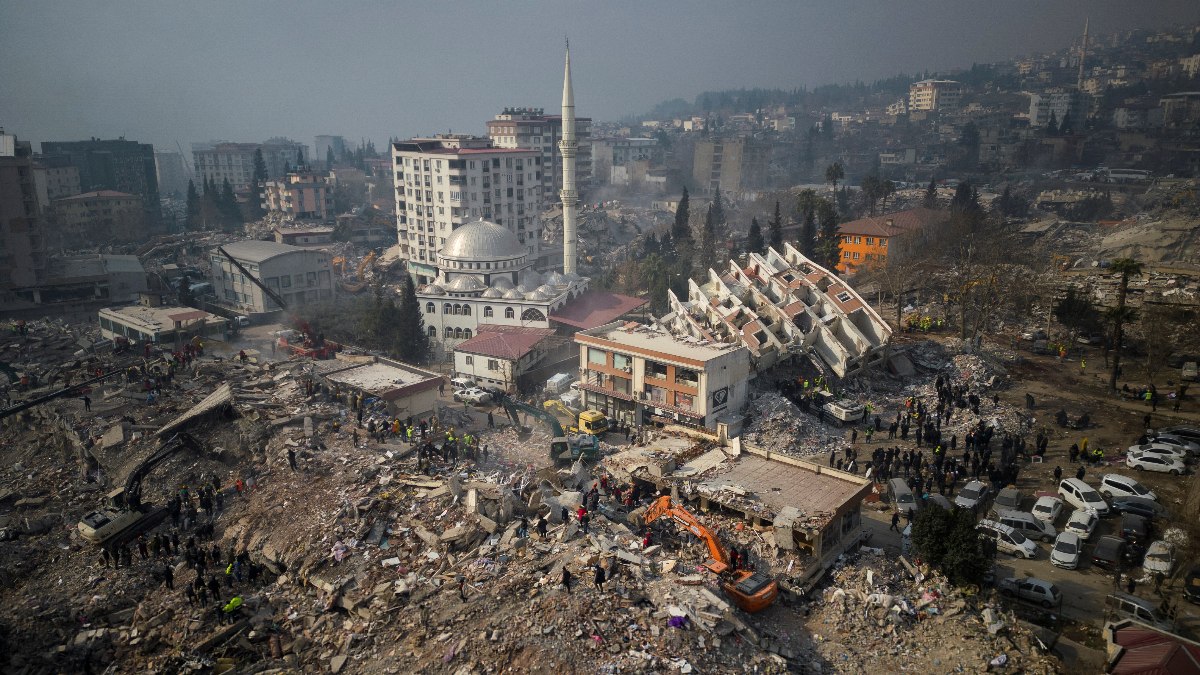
(883, 615)
(778, 425)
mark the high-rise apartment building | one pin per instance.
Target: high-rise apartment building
(730, 164)
(531, 128)
(22, 246)
(449, 180)
(301, 196)
(172, 175)
(934, 95)
(55, 178)
(220, 161)
(120, 165)
(1063, 103)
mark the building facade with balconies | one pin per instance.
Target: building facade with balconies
(642, 375)
(299, 196)
(447, 181)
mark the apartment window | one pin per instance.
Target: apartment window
(285, 281)
(856, 255)
(622, 385)
(622, 362)
(430, 308)
(848, 239)
(449, 333)
(493, 364)
(656, 370)
(597, 357)
(845, 255)
(684, 401)
(858, 240)
(432, 332)
(870, 241)
(656, 394)
(447, 308)
(687, 377)
(883, 243)
(469, 360)
(843, 297)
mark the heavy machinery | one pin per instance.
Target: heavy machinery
(77, 389)
(126, 516)
(750, 591)
(563, 446)
(591, 422)
(360, 274)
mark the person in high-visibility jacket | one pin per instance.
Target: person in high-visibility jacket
(231, 609)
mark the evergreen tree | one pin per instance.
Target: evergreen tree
(931, 199)
(666, 245)
(329, 158)
(260, 167)
(754, 240)
(299, 158)
(193, 205)
(808, 236)
(776, 229)
(228, 205)
(830, 248)
(706, 249)
(718, 214)
(681, 229)
(1052, 125)
(411, 328)
(1064, 127)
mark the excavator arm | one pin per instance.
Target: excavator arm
(514, 408)
(663, 507)
(133, 483)
(254, 280)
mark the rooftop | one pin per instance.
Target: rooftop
(780, 482)
(253, 250)
(892, 224)
(509, 344)
(385, 378)
(635, 337)
(1144, 650)
(596, 308)
(156, 319)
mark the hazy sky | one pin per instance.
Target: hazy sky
(164, 71)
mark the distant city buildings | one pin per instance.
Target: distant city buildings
(22, 240)
(172, 174)
(730, 164)
(619, 155)
(120, 165)
(55, 178)
(98, 218)
(323, 144)
(447, 181)
(299, 196)
(934, 95)
(531, 128)
(1063, 103)
(221, 161)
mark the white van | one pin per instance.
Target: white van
(1081, 495)
(1007, 539)
(1027, 525)
(1116, 485)
(462, 382)
(902, 498)
(1133, 607)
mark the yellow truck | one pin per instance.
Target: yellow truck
(587, 422)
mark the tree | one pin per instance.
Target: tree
(1120, 315)
(870, 186)
(931, 198)
(1052, 125)
(830, 247)
(186, 297)
(260, 167)
(754, 240)
(193, 206)
(808, 236)
(776, 229)
(228, 206)
(299, 158)
(1077, 312)
(1064, 127)
(834, 173)
(682, 229)
(886, 189)
(329, 158)
(414, 341)
(947, 540)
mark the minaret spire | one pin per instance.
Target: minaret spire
(566, 147)
(1082, 53)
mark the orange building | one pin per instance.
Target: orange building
(865, 241)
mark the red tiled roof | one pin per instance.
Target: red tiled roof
(497, 328)
(1146, 651)
(508, 346)
(595, 308)
(891, 224)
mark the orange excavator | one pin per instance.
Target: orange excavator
(750, 591)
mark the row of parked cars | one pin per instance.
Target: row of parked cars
(1166, 451)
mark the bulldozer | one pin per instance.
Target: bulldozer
(126, 516)
(751, 591)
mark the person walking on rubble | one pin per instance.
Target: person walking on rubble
(895, 521)
(566, 579)
(600, 577)
(291, 456)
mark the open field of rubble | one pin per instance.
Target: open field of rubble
(364, 561)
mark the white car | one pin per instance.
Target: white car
(1116, 485)
(1160, 557)
(1046, 509)
(971, 495)
(1083, 523)
(1066, 551)
(473, 395)
(1033, 590)
(1190, 447)
(1144, 461)
(1160, 450)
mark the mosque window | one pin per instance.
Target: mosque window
(487, 312)
(509, 313)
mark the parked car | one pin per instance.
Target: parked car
(1009, 498)
(1192, 448)
(1007, 539)
(971, 495)
(474, 395)
(940, 500)
(1028, 525)
(1135, 529)
(1140, 461)
(1187, 433)
(1132, 607)
(1083, 523)
(1109, 552)
(1191, 585)
(462, 382)
(1081, 495)
(1046, 509)
(901, 496)
(1030, 589)
(1066, 551)
(1160, 558)
(1160, 450)
(1116, 485)
(1147, 508)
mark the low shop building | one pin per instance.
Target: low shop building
(406, 390)
(501, 355)
(636, 373)
(161, 325)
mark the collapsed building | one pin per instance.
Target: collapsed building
(783, 304)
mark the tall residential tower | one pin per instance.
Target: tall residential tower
(567, 147)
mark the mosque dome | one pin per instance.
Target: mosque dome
(522, 289)
(556, 279)
(466, 284)
(531, 278)
(547, 290)
(481, 240)
(433, 289)
(536, 296)
(513, 294)
(492, 293)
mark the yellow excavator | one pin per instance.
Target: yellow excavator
(750, 591)
(361, 283)
(591, 422)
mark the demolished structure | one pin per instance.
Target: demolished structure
(782, 304)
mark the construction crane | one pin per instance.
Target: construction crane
(270, 293)
(563, 446)
(126, 516)
(750, 591)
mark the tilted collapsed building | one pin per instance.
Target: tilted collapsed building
(783, 304)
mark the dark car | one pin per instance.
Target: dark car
(1135, 529)
(1191, 585)
(1186, 433)
(1139, 506)
(1109, 552)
